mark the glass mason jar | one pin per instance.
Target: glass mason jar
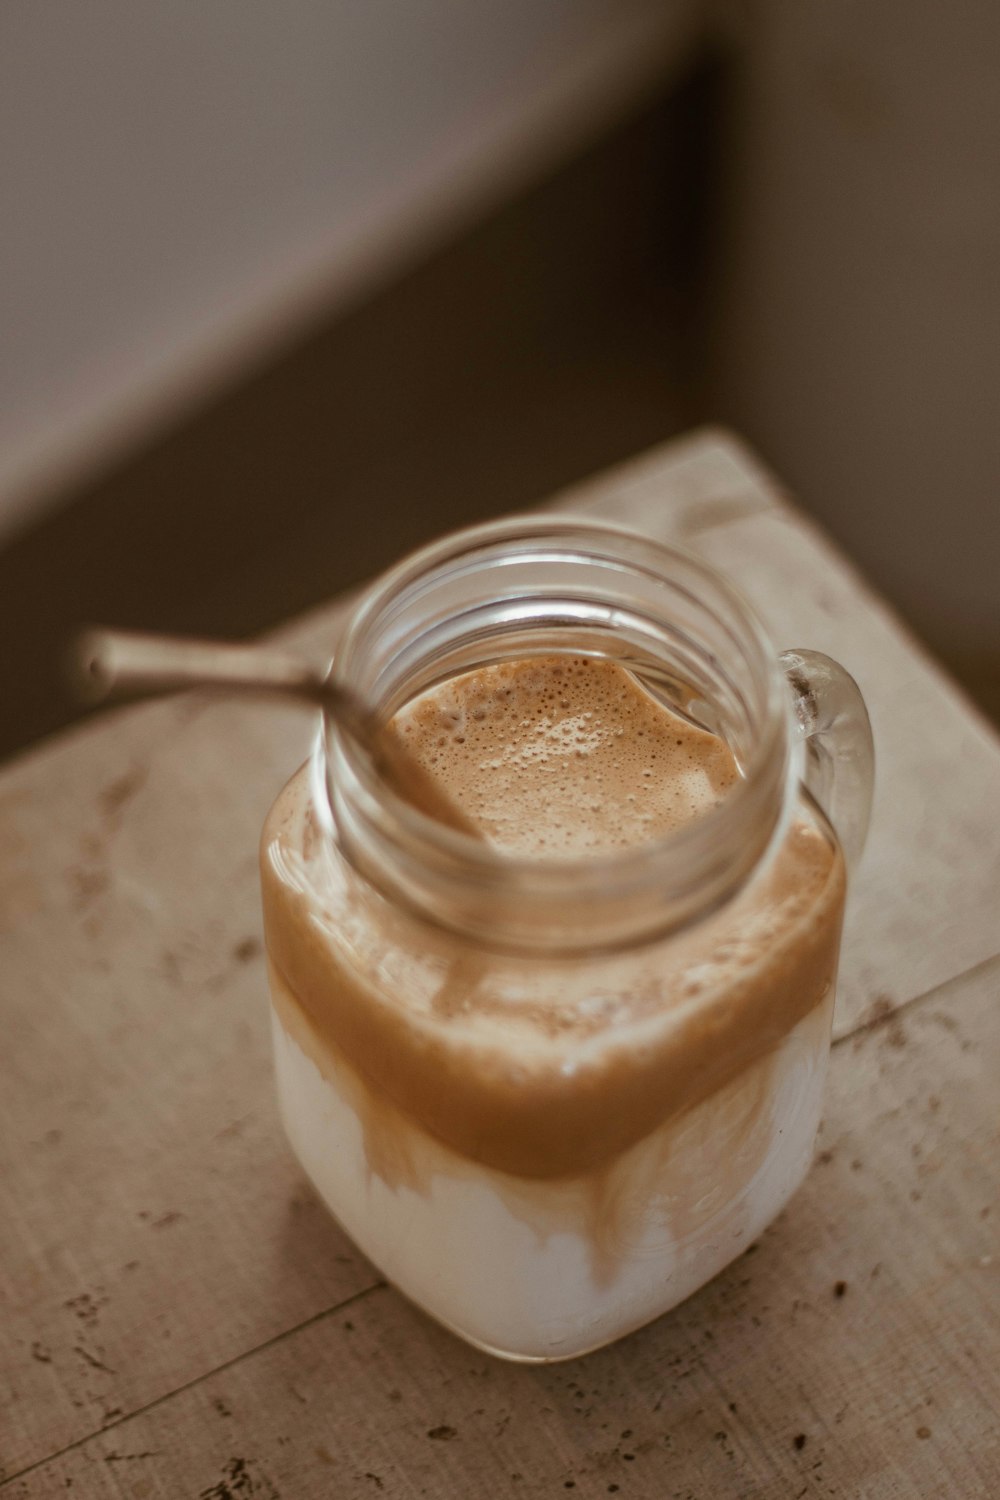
(550, 1098)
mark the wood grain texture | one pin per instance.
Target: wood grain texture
(169, 1285)
(151, 1222)
(851, 1352)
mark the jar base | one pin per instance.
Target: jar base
(490, 1259)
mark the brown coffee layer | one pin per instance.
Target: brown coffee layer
(549, 1068)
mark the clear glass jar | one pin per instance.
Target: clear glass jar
(551, 1098)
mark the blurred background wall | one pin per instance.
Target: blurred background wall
(856, 312)
(187, 183)
(288, 289)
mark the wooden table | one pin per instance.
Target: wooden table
(180, 1317)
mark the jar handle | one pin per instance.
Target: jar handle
(840, 755)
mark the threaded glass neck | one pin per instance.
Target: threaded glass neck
(542, 587)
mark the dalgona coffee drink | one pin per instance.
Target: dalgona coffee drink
(546, 1150)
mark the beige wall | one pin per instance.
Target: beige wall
(859, 338)
(183, 182)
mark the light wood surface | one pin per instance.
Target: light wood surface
(180, 1318)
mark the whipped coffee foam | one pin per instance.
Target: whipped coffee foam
(564, 756)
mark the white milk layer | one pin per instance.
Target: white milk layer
(511, 1265)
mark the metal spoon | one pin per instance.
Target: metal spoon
(113, 662)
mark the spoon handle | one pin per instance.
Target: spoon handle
(118, 662)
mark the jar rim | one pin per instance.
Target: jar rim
(713, 856)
